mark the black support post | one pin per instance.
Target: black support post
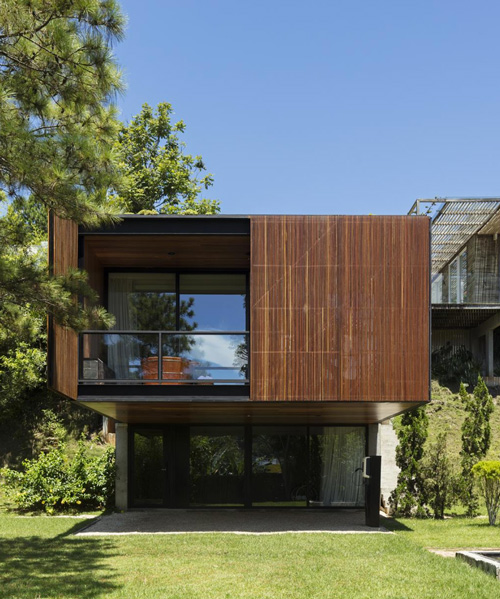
(372, 492)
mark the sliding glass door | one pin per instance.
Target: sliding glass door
(235, 466)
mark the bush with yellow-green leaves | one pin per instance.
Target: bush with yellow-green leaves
(487, 473)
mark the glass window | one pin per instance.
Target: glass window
(217, 463)
(457, 271)
(149, 470)
(463, 276)
(212, 302)
(453, 282)
(336, 456)
(142, 301)
(279, 466)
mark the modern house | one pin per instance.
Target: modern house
(253, 357)
(465, 252)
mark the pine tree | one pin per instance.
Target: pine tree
(408, 498)
(57, 129)
(476, 436)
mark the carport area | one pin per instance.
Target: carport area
(245, 522)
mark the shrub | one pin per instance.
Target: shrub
(487, 472)
(408, 498)
(452, 365)
(440, 481)
(52, 482)
(476, 437)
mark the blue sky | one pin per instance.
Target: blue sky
(339, 107)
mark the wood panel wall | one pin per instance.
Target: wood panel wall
(340, 308)
(63, 343)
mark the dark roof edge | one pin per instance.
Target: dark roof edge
(163, 224)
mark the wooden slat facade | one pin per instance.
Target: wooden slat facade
(340, 308)
(63, 343)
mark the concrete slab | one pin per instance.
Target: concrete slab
(249, 522)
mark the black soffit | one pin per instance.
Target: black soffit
(174, 225)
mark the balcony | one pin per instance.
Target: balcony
(195, 358)
(471, 290)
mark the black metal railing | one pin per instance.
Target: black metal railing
(186, 357)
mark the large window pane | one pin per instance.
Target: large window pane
(216, 458)
(212, 302)
(142, 301)
(120, 356)
(279, 466)
(149, 468)
(208, 358)
(336, 456)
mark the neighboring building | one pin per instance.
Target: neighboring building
(465, 252)
(253, 357)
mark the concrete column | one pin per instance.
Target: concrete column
(121, 481)
(374, 439)
(390, 471)
(489, 352)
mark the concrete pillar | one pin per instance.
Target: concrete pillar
(489, 352)
(374, 439)
(121, 481)
(390, 471)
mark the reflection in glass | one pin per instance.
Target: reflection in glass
(336, 456)
(149, 473)
(142, 301)
(192, 358)
(279, 466)
(207, 358)
(216, 459)
(216, 301)
(120, 356)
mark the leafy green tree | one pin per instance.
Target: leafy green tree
(157, 175)
(408, 498)
(476, 437)
(57, 129)
(487, 473)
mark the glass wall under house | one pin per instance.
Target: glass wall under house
(217, 466)
(194, 325)
(279, 466)
(336, 455)
(235, 466)
(148, 467)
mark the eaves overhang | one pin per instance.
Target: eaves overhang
(162, 224)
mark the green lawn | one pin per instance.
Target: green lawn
(39, 559)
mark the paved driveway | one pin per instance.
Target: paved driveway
(230, 521)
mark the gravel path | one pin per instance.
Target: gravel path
(251, 522)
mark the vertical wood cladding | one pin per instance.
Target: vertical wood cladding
(63, 343)
(339, 308)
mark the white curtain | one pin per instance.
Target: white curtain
(122, 350)
(343, 449)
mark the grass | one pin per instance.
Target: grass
(452, 533)
(39, 558)
(446, 415)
